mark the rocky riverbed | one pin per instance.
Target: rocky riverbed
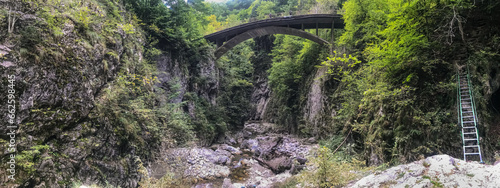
(257, 156)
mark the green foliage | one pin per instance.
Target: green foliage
(30, 38)
(83, 16)
(128, 28)
(138, 112)
(265, 8)
(364, 19)
(213, 24)
(290, 182)
(294, 59)
(340, 65)
(175, 26)
(209, 122)
(232, 20)
(236, 86)
(325, 171)
(28, 158)
(397, 99)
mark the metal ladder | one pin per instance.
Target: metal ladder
(468, 118)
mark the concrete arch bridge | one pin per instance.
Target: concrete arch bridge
(288, 25)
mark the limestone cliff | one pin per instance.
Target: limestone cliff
(82, 83)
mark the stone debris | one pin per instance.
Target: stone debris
(257, 156)
(435, 171)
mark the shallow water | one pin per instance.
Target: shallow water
(239, 171)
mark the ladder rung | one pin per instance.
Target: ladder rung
(470, 133)
(466, 107)
(471, 153)
(471, 146)
(468, 121)
(466, 112)
(469, 139)
(468, 127)
(464, 99)
(467, 117)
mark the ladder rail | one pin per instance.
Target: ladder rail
(472, 109)
(460, 114)
(474, 114)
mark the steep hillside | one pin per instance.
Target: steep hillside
(63, 54)
(95, 96)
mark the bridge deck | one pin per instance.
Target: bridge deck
(310, 21)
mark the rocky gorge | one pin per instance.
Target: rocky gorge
(127, 93)
(259, 155)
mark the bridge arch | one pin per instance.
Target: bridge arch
(288, 25)
(266, 31)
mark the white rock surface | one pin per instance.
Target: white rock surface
(434, 171)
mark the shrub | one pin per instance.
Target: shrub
(325, 171)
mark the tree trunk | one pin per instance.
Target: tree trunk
(11, 21)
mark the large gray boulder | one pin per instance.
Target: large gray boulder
(438, 170)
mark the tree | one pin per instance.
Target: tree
(12, 15)
(265, 8)
(213, 24)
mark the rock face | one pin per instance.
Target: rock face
(260, 97)
(57, 82)
(312, 114)
(175, 75)
(261, 91)
(59, 79)
(315, 99)
(438, 170)
(170, 74)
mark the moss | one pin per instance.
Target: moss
(113, 54)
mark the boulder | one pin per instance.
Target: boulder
(252, 145)
(230, 149)
(280, 164)
(301, 160)
(296, 169)
(440, 170)
(227, 183)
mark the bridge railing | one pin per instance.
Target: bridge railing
(290, 13)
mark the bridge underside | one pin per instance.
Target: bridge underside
(266, 31)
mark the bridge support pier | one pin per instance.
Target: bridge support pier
(219, 43)
(317, 29)
(332, 39)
